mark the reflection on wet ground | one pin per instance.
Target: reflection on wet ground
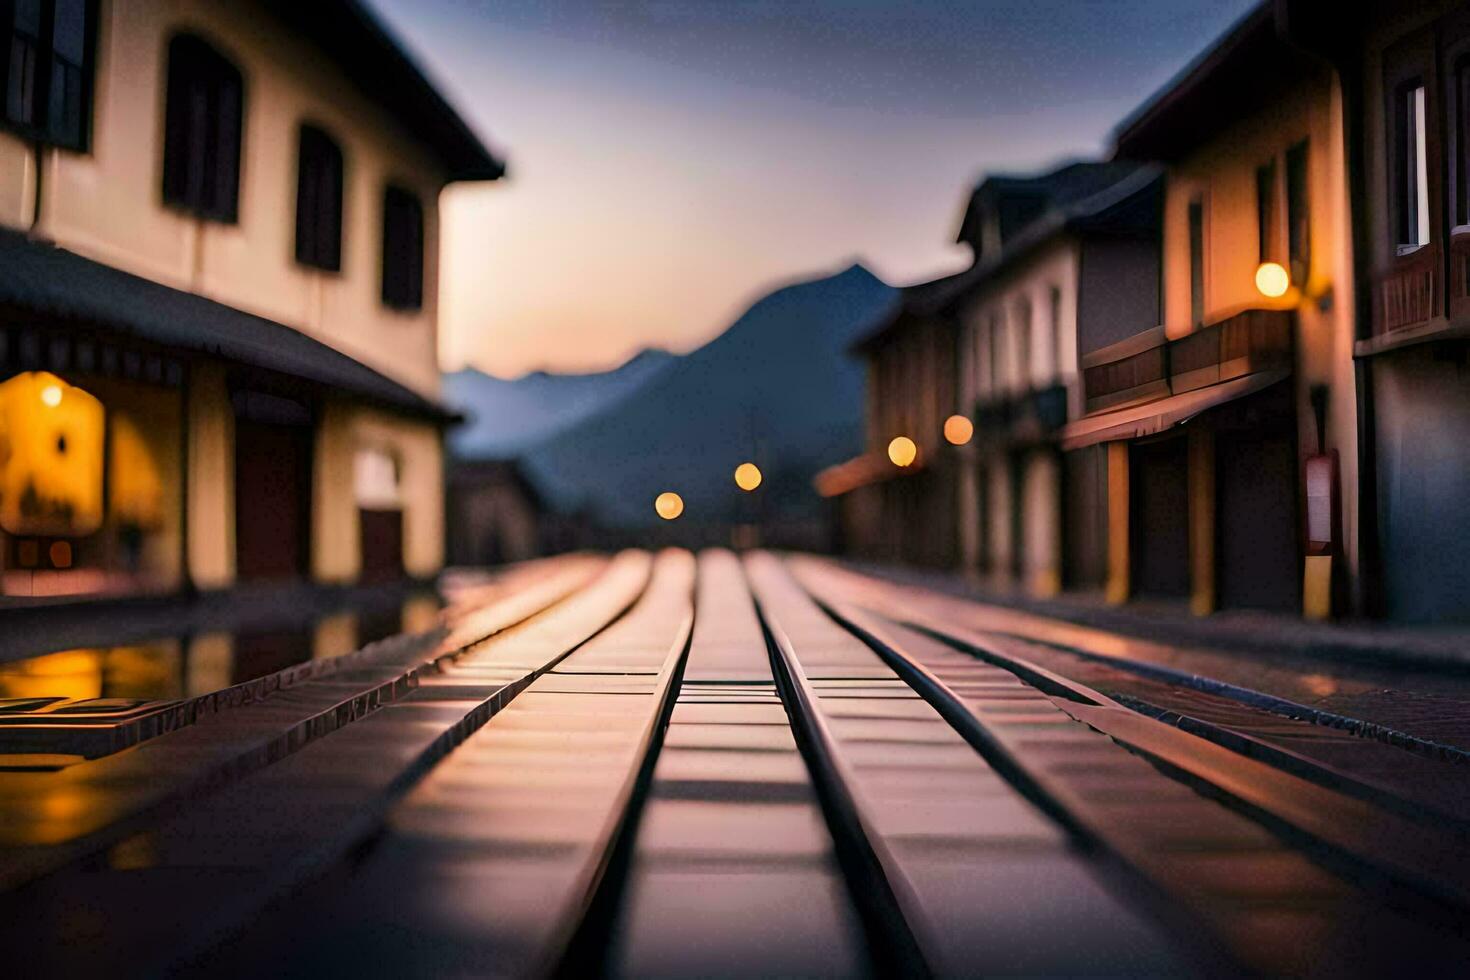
(203, 661)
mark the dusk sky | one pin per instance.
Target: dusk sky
(672, 161)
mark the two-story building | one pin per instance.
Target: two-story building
(218, 296)
(1065, 249)
(1231, 425)
(1405, 70)
(896, 501)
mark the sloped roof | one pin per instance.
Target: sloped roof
(368, 53)
(1242, 72)
(1121, 198)
(41, 278)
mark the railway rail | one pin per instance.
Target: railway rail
(664, 765)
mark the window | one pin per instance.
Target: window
(1023, 345)
(1197, 262)
(201, 141)
(403, 249)
(318, 200)
(1055, 297)
(1266, 211)
(1411, 196)
(993, 355)
(1462, 143)
(46, 68)
(1298, 221)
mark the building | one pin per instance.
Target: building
(1405, 70)
(218, 312)
(497, 514)
(1071, 250)
(1231, 425)
(896, 501)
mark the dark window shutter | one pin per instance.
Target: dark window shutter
(403, 249)
(203, 116)
(319, 200)
(23, 24)
(46, 69)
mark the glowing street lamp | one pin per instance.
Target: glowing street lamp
(669, 505)
(747, 476)
(1272, 279)
(902, 451)
(958, 430)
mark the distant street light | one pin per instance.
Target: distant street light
(669, 505)
(958, 430)
(1272, 279)
(902, 451)
(747, 476)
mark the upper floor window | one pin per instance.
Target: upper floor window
(1266, 211)
(318, 200)
(1054, 296)
(1023, 345)
(1411, 195)
(403, 249)
(1298, 215)
(202, 125)
(1197, 261)
(46, 68)
(1462, 143)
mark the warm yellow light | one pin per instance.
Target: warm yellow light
(747, 476)
(902, 451)
(958, 430)
(669, 505)
(51, 461)
(1272, 279)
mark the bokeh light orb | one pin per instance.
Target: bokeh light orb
(669, 505)
(1272, 279)
(747, 476)
(958, 430)
(902, 451)
(51, 395)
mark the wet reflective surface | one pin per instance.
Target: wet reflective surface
(202, 661)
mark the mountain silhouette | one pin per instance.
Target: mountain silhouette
(506, 416)
(778, 388)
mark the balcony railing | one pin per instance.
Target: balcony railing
(1023, 419)
(1148, 366)
(1251, 341)
(1408, 294)
(1135, 369)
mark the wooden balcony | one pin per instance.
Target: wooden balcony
(1130, 371)
(1249, 341)
(1459, 301)
(1408, 295)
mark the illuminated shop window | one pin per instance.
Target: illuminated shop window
(90, 486)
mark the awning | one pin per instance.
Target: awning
(1156, 416)
(37, 277)
(860, 471)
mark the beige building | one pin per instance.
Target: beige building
(1021, 498)
(1231, 427)
(218, 318)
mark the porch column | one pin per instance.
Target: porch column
(1119, 582)
(1201, 521)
